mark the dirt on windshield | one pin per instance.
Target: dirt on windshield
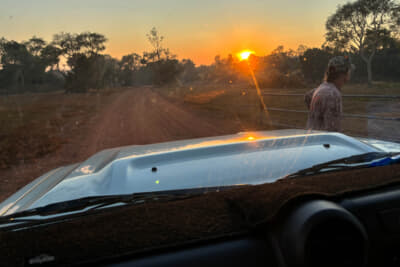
(130, 116)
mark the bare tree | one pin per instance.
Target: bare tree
(156, 41)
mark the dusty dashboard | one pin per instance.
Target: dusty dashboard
(359, 230)
(349, 218)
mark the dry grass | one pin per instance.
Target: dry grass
(240, 102)
(34, 125)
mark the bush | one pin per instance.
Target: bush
(166, 71)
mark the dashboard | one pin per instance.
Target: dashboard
(360, 229)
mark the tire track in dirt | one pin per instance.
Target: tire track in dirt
(140, 116)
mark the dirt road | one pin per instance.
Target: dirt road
(141, 116)
(134, 116)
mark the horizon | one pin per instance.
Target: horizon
(192, 30)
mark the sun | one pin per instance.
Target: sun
(245, 54)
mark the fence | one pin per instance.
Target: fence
(392, 136)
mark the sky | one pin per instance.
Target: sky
(195, 29)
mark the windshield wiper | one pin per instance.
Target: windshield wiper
(371, 159)
(98, 202)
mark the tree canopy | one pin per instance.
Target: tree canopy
(363, 26)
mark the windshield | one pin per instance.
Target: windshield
(248, 92)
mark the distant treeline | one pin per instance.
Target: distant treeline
(354, 29)
(34, 65)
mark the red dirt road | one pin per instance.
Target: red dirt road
(134, 116)
(144, 117)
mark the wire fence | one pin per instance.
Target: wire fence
(389, 135)
(346, 115)
(356, 96)
(362, 116)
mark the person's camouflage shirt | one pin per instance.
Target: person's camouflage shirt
(325, 108)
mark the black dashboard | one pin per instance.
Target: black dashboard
(353, 230)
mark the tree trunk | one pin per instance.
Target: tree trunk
(368, 61)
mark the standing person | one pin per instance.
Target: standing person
(325, 102)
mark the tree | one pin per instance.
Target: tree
(87, 73)
(148, 57)
(156, 41)
(92, 42)
(35, 45)
(127, 66)
(361, 27)
(285, 62)
(166, 71)
(111, 72)
(50, 56)
(87, 66)
(15, 61)
(281, 69)
(23, 64)
(14, 53)
(67, 43)
(88, 43)
(189, 71)
(313, 63)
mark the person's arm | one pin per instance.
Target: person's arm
(308, 97)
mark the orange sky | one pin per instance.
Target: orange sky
(199, 30)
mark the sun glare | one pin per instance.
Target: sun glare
(245, 54)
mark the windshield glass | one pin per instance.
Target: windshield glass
(90, 91)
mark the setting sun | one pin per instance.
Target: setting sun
(244, 55)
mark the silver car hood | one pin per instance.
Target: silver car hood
(243, 158)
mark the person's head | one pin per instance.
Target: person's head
(339, 70)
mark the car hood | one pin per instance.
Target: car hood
(243, 158)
